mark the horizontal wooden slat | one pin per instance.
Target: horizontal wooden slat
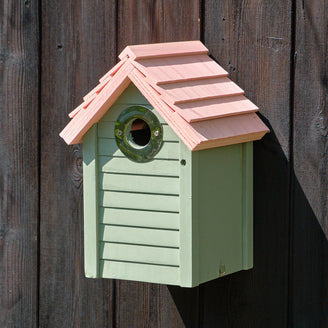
(137, 253)
(139, 183)
(175, 69)
(139, 218)
(108, 147)
(114, 112)
(140, 272)
(106, 130)
(214, 108)
(141, 236)
(124, 165)
(139, 201)
(201, 89)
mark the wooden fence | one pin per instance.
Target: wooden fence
(53, 52)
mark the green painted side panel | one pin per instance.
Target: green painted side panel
(140, 272)
(218, 195)
(137, 218)
(247, 205)
(140, 236)
(90, 201)
(140, 254)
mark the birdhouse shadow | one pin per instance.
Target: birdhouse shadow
(290, 256)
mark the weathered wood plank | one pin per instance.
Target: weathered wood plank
(19, 165)
(309, 252)
(141, 236)
(139, 218)
(253, 45)
(141, 272)
(146, 22)
(78, 47)
(139, 183)
(141, 254)
(124, 165)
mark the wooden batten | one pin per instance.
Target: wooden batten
(156, 50)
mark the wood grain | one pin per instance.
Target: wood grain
(139, 304)
(78, 46)
(19, 164)
(80, 41)
(253, 45)
(309, 252)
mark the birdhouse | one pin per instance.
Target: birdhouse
(167, 167)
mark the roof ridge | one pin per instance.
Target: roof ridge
(157, 50)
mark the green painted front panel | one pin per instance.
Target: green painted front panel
(138, 205)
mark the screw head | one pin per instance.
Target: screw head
(156, 133)
(119, 132)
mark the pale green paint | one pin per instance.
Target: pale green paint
(106, 130)
(219, 195)
(247, 205)
(90, 196)
(139, 218)
(132, 96)
(141, 236)
(186, 233)
(115, 111)
(140, 272)
(197, 217)
(139, 183)
(168, 168)
(108, 147)
(139, 204)
(150, 202)
(141, 254)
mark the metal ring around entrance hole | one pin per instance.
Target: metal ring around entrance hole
(123, 138)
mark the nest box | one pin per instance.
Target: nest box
(168, 172)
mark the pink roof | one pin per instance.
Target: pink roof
(187, 88)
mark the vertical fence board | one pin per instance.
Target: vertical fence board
(19, 125)
(310, 226)
(140, 304)
(251, 39)
(78, 47)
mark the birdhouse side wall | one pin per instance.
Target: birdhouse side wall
(137, 216)
(222, 210)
